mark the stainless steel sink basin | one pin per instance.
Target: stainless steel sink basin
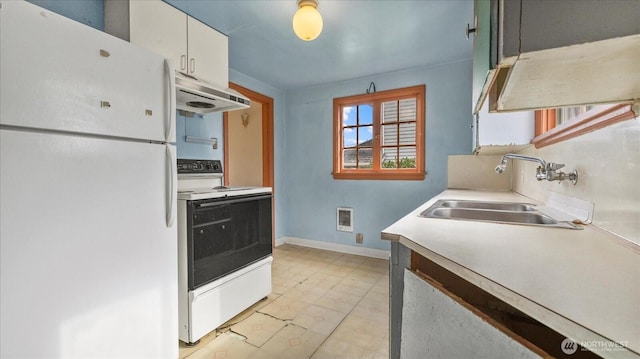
(497, 212)
(500, 206)
(495, 216)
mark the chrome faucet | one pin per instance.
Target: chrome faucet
(546, 171)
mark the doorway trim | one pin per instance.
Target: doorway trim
(267, 144)
(267, 134)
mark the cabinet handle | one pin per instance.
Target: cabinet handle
(475, 27)
(192, 65)
(183, 62)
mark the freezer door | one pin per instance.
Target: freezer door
(62, 75)
(88, 265)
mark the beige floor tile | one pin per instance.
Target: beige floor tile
(353, 287)
(280, 284)
(364, 275)
(292, 342)
(361, 331)
(339, 301)
(383, 349)
(372, 309)
(318, 319)
(334, 348)
(227, 346)
(248, 312)
(337, 270)
(286, 307)
(258, 328)
(322, 280)
(306, 293)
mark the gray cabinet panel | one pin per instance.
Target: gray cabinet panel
(434, 325)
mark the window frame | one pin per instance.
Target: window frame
(547, 133)
(376, 99)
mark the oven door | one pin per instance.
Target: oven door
(226, 235)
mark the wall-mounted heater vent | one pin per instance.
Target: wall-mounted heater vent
(344, 219)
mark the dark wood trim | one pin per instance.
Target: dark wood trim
(594, 119)
(545, 120)
(225, 146)
(371, 175)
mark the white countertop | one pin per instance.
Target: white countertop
(584, 284)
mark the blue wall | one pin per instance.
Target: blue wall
(88, 12)
(203, 126)
(312, 195)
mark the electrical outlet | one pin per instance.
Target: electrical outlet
(359, 237)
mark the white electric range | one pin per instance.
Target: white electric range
(224, 248)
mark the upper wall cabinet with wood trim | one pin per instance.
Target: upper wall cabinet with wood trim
(194, 47)
(531, 54)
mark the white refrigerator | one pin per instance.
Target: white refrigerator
(88, 242)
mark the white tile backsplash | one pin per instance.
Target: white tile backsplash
(608, 164)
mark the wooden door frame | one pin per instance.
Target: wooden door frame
(267, 143)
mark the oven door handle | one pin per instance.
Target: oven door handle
(231, 200)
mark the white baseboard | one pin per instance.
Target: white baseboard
(335, 247)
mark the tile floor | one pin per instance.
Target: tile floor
(323, 305)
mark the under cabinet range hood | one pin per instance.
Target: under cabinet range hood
(197, 96)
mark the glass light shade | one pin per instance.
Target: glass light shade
(307, 23)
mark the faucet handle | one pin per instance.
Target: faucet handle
(554, 166)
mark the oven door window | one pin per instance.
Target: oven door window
(226, 236)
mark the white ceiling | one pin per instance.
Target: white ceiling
(359, 38)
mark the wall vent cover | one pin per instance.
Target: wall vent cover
(344, 219)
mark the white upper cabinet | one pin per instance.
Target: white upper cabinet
(161, 28)
(542, 54)
(207, 53)
(194, 48)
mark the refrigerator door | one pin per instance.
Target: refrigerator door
(88, 265)
(81, 79)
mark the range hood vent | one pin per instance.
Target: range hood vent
(197, 96)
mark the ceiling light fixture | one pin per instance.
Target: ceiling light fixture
(307, 22)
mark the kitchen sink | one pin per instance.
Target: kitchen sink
(501, 206)
(497, 212)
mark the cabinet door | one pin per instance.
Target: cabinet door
(208, 53)
(481, 48)
(161, 28)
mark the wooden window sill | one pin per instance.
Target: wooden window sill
(409, 176)
(587, 122)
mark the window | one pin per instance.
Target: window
(558, 124)
(379, 135)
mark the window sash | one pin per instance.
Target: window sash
(401, 111)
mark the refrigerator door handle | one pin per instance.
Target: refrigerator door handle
(171, 74)
(172, 186)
